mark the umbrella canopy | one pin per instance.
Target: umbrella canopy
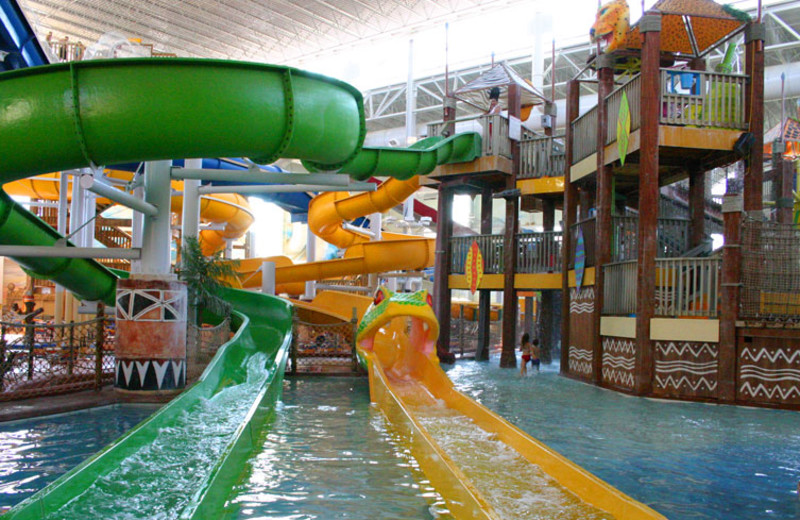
(476, 92)
(692, 27)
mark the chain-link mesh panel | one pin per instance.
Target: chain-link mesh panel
(38, 359)
(323, 348)
(770, 271)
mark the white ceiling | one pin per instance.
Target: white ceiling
(272, 31)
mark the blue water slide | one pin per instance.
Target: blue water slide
(17, 39)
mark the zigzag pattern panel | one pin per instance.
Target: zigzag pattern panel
(686, 369)
(619, 360)
(769, 373)
(583, 302)
(580, 361)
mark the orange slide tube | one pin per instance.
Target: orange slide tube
(229, 209)
(326, 214)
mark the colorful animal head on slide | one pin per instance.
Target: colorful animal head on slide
(611, 25)
(398, 321)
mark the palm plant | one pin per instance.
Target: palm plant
(204, 277)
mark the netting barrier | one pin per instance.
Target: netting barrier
(45, 359)
(323, 348)
(770, 271)
(202, 344)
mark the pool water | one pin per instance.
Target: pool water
(330, 454)
(688, 461)
(37, 451)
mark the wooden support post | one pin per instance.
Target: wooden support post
(508, 357)
(697, 206)
(547, 314)
(785, 202)
(729, 297)
(604, 202)
(484, 295)
(569, 217)
(754, 110)
(650, 26)
(441, 288)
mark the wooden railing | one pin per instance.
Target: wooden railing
(539, 252)
(685, 287)
(541, 157)
(633, 92)
(584, 136)
(704, 99)
(493, 130)
(491, 247)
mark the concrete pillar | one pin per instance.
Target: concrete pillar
(63, 186)
(268, 278)
(311, 256)
(137, 227)
(190, 217)
(150, 343)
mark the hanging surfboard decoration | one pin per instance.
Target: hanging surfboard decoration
(580, 259)
(623, 128)
(473, 266)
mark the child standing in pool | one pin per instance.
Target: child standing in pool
(530, 352)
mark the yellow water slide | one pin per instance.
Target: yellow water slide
(327, 213)
(231, 211)
(482, 465)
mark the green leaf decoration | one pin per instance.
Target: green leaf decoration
(623, 128)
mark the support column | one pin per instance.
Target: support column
(603, 205)
(569, 216)
(150, 343)
(697, 207)
(190, 217)
(311, 256)
(484, 295)
(137, 224)
(754, 109)
(63, 187)
(549, 325)
(732, 206)
(268, 278)
(508, 357)
(441, 287)
(650, 26)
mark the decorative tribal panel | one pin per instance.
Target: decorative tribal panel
(769, 373)
(686, 369)
(156, 374)
(619, 359)
(151, 305)
(580, 362)
(582, 332)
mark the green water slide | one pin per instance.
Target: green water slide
(182, 462)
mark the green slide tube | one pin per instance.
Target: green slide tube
(87, 279)
(404, 163)
(264, 325)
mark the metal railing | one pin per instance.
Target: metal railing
(542, 157)
(491, 247)
(687, 286)
(619, 281)
(46, 359)
(673, 237)
(633, 92)
(684, 287)
(493, 129)
(539, 252)
(584, 136)
(704, 99)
